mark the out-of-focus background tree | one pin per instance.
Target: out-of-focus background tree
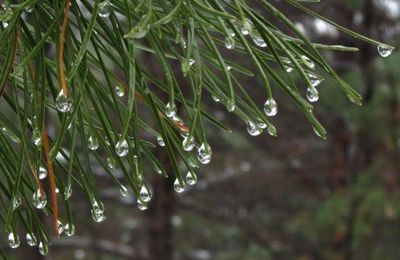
(291, 197)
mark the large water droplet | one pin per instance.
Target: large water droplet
(13, 240)
(122, 148)
(188, 143)
(36, 137)
(145, 194)
(93, 143)
(178, 187)
(43, 248)
(39, 200)
(98, 216)
(253, 129)
(229, 43)
(191, 178)
(170, 110)
(260, 123)
(160, 141)
(69, 229)
(63, 102)
(270, 107)
(105, 9)
(204, 153)
(42, 172)
(119, 90)
(315, 80)
(385, 51)
(31, 239)
(246, 26)
(110, 162)
(312, 94)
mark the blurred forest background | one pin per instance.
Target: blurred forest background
(291, 197)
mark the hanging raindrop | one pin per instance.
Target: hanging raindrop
(39, 200)
(160, 141)
(258, 40)
(231, 105)
(191, 178)
(13, 240)
(246, 26)
(69, 229)
(253, 129)
(43, 248)
(15, 202)
(123, 191)
(105, 9)
(288, 69)
(145, 194)
(229, 43)
(119, 91)
(270, 107)
(36, 137)
(188, 143)
(204, 153)
(308, 62)
(63, 102)
(312, 94)
(42, 172)
(141, 205)
(178, 187)
(31, 239)
(260, 123)
(315, 80)
(110, 162)
(98, 216)
(60, 227)
(122, 148)
(215, 98)
(385, 51)
(170, 110)
(93, 143)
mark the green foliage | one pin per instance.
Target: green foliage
(75, 72)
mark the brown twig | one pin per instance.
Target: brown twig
(52, 180)
(61, 66)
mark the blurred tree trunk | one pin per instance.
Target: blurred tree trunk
(362, 145)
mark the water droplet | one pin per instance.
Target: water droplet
(260, 123)
(13, 240)
(110, 162)
(258, 40)
(253, 129)
(29, 8)
(119, 90)
(105, 9)
(215, 98)
(122, 148)
(178, 187)
(271, 130)
(97, 206)
(312, 94)
(231, 105)
(69, 229)
(288, 69)
(385, 51)
(93, 143)
(43, 248)
(31, 239)
(67, 192)
(145, 194)
(98, 216)
(36, 137)
(42, 172)
(229, 43)
(60, 227)
(204, 153)
(141, 205)
(15, 202)
(270, 107)
(191, 178)
(246, 26)
(308, 62)
(39, 200)
(123, 191)
(63, 102)
(170, 110)
(160, 141)
(188, 143)
(315, 80)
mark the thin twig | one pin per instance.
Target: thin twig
(61, 66)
